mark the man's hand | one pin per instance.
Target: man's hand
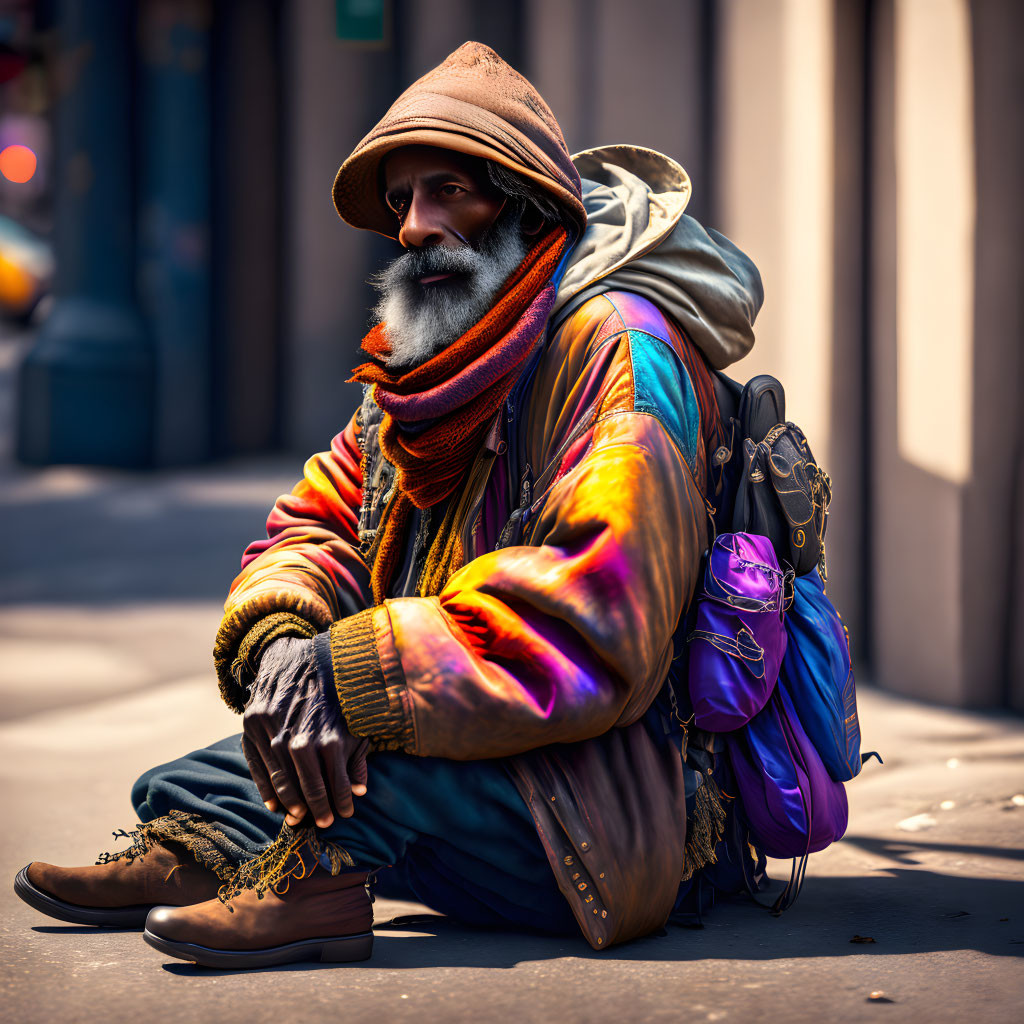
(300, 752)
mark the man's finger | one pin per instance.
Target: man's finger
(357, 768)
(284, 780)
(311, 779)
(341, 789)
(258, 739)
(258, 771)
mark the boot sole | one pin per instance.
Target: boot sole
(133, 917)
(343, 949)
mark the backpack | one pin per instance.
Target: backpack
(794, 738)
(740, 641)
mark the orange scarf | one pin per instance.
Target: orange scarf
(436, 415)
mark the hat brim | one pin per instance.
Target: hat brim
(357, 193)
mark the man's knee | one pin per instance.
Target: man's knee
(141, 789)
(223, 760)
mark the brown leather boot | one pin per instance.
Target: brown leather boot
(120, 893)
(316, 917)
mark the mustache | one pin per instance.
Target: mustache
(416, 263)
(467, 260)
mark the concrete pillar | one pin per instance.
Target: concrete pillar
(85, 388)
(174, 219)
(776, 153)
(778, 199)
(993, 540)
(248, 202)
(947, 321)
(915, 562)
(850, 424)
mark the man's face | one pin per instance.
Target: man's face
(439, 197)
(462, 244)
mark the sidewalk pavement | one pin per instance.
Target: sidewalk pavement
(110, 587)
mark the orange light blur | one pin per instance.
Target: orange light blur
(17, 163)
(17, 288)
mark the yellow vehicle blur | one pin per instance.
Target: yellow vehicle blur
(26, 269)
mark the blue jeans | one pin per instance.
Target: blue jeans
(454, 835)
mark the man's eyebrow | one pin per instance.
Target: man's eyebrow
(432, 181)
(441, 177)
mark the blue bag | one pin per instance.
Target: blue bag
(818, 678)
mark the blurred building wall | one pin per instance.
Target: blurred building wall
(864, 149)
(864, 152)
(248, 263)
(331, 92)
(623, 72)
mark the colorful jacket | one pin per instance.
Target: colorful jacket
(583, 522)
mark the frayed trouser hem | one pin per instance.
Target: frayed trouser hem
(206, 843)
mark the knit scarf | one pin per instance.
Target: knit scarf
(436, 415)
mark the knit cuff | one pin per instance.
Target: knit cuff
(268, 629)
(374, 702)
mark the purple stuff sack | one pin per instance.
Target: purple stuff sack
(739, 639)
(794, 808)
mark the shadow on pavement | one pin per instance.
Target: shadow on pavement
(904, 911)
(902, 850)
(76, 929)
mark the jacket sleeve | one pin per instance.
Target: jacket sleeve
(307, 572)
(562, 638)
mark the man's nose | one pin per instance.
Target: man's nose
(421, 225)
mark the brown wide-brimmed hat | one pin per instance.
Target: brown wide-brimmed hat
(472, 103)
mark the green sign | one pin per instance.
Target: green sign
(362, 21)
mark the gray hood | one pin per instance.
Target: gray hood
(638, 239)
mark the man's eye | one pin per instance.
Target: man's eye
(450, 190)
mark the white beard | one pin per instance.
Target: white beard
(422, 320)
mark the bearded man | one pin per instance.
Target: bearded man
(454, 649)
